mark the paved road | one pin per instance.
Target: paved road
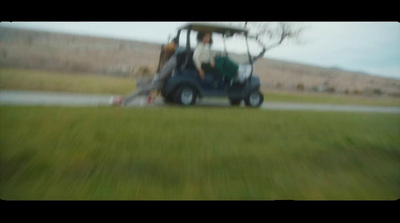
(73, 99)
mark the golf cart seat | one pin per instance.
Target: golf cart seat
(185, 61)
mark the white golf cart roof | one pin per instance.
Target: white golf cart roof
(226, 30)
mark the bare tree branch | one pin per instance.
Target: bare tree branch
(272, 34)
(276, 33)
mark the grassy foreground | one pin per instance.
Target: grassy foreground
(308, 97)
(197, 153)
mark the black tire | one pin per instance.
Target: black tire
(169, 99)
(235, 102)
(254, 99)
(186, 95)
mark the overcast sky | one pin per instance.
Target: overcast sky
(371, 47)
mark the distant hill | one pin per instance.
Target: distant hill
(66, 52)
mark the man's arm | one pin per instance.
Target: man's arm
(198, 52)
(197, 55)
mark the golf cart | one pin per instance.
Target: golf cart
(185, 85)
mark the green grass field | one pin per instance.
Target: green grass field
(21, 79)
(197, 153)
(301, 97)
(38, 80)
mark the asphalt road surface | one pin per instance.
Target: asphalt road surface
(75, 99)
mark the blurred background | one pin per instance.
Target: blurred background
(353, 58)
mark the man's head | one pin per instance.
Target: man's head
(204, 37)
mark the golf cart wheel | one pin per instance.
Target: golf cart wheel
(186, 95)
(254, 99)
(234, 102)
